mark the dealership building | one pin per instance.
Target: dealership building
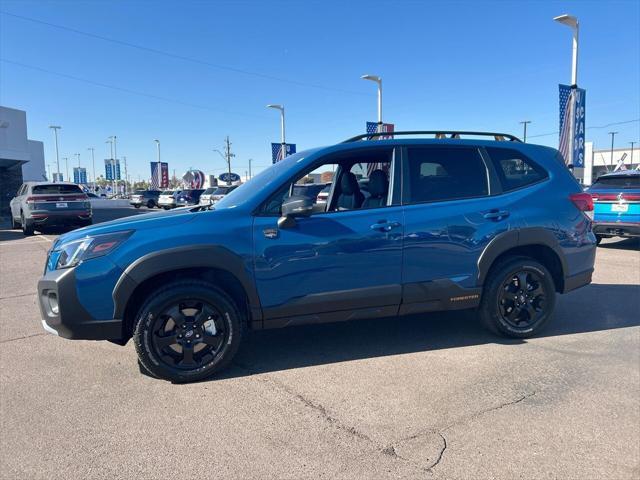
(21, 159)
(600, 161)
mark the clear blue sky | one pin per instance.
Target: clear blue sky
(445, 65)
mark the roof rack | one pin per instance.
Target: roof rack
(453, 134)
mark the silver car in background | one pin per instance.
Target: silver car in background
(43, 204)
(167, 199)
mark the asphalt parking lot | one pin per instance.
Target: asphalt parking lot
(422, 397)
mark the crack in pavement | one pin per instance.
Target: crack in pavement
(18, 296)
(390, 450)
(309, 403)
(22, 338)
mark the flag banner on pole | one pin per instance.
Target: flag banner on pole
(194, 179)
(80, 175)
(108, 169)
(372, 127)
(276, 151)
(159, 179)
(572, 100)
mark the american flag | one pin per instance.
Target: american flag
(566, 101)
(159, 179)
(372, 127)
(276, 151)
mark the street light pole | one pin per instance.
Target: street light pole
(282, 135)
(78, 157)
(632, 144)
(613, 135)
(251, 159)
(113, 169)
(525, 123)
(378, 80)
(572, 22)
(159, 173)
(66, 166)
(93, 162)
(55, 129)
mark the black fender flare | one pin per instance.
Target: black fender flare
(192, 256)
(517, 238)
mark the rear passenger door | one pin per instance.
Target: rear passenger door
(451, 212)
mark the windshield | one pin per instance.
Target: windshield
(167, 192)
(56, 189)
(618, 181)
(209, 191)
(261, 181)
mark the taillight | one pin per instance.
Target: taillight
(31, 200)
(583, 201)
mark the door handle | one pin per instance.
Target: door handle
(384, 226)
(496, 214)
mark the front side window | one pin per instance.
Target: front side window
(444, 173)
(514, 169)
(356, 181)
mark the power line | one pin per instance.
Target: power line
(127, 90)
(182, 57)
(588, 128)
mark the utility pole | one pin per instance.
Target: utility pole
(228, 155)
(126, 176)
(55, 129)
(525, 123)
(93, 161)
(613, 135)
(632, 144)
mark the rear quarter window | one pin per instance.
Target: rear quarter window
(514, 169)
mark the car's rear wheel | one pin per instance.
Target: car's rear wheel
(518, 298)
(187, 331)
(26, 228)
(137, 206)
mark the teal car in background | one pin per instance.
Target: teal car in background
(616, 198)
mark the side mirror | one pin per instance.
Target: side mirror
(292, 207)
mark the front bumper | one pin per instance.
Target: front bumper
(617, 229)
(63, 314)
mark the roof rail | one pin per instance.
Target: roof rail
(438, 134)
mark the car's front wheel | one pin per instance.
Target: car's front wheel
(187, 331)
(151, 204)
(518, 298)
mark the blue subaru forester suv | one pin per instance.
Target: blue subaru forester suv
(411, 225)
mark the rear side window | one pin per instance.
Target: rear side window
(514, 169)
(55, 189)
(442, 173)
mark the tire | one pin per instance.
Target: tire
(136, 206)
(166, 208)
(187, 312)
(14, 225)
(27, 229)
(507, 309)
(599, 239)
(151, 204)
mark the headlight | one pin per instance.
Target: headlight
(74, 252)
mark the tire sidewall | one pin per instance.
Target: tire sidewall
(491, 307)
(143, 331)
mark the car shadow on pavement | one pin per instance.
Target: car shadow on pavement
(593, 308)
(621, 244)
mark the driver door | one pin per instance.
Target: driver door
(337, 264)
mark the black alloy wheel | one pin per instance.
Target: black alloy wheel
(518, 297)
(187, 331)
(522, 299)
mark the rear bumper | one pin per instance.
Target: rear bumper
(617, 229)
(576, 281)
(74, 217)
(63, 314)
